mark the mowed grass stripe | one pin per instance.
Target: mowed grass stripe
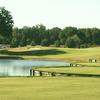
(49, 88)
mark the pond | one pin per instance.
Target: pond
(22, 67)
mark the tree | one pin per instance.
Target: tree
(6, 24)
(39, 33)
(45, 42)
(70, 43)
(23, 42)
(54, 34)
(69, 31)
(14, 42)
(73, 42)
(62, 37)
(96, 36)
(33, 43)
(57, 43)
(88, 35)
(77, 41)
(81, 35)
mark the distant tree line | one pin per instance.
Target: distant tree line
(70, 37)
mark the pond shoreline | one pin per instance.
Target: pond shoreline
(22, 67)
(27, 58)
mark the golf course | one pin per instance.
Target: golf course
(53, 53)
(49, 50)
(49, 88)
(53, 88)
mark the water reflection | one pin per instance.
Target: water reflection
(22, 67)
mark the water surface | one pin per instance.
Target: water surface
(22, 67)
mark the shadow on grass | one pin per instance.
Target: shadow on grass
(9, 57)
(33, 52)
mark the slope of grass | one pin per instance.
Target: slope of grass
(78, 70)
(47, 88)
(51, 53)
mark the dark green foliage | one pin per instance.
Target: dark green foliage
(14, 42)
(23, 42)
(69, 31)
(45, 42)
(73, 42)
(54, 34)
(70, 43)
(77, 41)
(83, 46)
(57, 43)
(33, 43)
(70, 37)
(39, 35)
(95, 36)
(81, 35)
(6, 24)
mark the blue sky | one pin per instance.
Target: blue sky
(54, 13)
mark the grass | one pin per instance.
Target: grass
(49, 88)
(52, 53)
(53, 88)
(78, 70)
(91, 64)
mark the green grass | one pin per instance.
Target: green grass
(51, 53)
(49, 88)
(91, 64)
(78, 70)
(53, 88)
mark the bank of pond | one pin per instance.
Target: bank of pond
(45, 68)
(22, 67)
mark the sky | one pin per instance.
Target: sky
(54, 13)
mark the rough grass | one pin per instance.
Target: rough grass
(51, 53)
(49, 88)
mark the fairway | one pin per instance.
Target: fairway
(49, 88)
(77, 70)
(52, 53)
(53, 88)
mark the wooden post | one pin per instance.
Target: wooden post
(40, 73)
(30, 72)
(33, 72)
(71, 65)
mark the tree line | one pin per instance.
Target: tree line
(70, 37)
